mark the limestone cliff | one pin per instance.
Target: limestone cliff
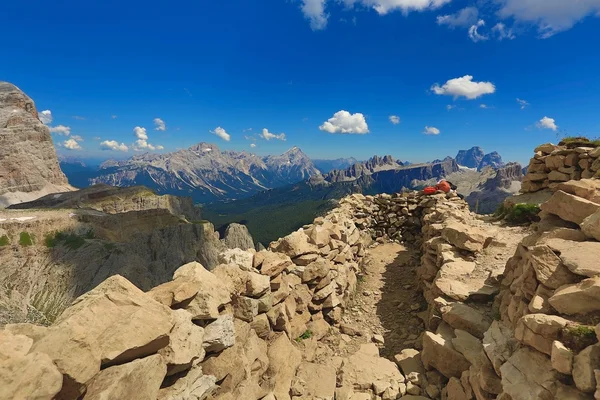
(28, 163)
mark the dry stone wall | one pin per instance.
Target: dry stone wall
(524, 330)
(552, 165)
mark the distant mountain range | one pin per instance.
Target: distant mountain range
(326, 166)
(476, 158)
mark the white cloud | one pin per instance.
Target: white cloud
(314, 11)
(344, 122)
(394, 119)
(550, 16)
(45, 116)
(159, 124)
(253, 145)
(268, 135)
(384, 6)
(97, 138)
(464, 87)
(71, 144)
(474, 33)
(522, 103)
(450, 107)
(465, 17)
(547, 123)
(79, 118)
(222, 133)
(61, 130)
(142, 140)
(247, 130)
(77, 138)
(113, 145)
(113, 117)
(502, 32)
(431, 130)
(484, 106)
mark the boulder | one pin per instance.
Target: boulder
(362, 369)
(588, 189)
(440, 354)
(461, 316)
(173, 293)
(580, 258)
(469, 346)
(569, 207)
(409, 361)
(580, 298)
(528, 375)
(591, 226)
(549, 268)
(499, 344)
(294, 245)
(272, 264)
(14, 345)
(136, 380)
(584, 365)
(464, 236)
(561, 358)
(317, 270)
(29, 376)
(237, 236)
(185, 343)
(239, 257)
(284, 359)
(219, 335)
(194, 385)
(540, 331)
(318, 380)
(455, 281)
(212, 294)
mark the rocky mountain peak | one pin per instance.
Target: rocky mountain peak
(476, 158)
(205, 148)
(28, 164)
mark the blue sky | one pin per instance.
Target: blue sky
(328, 74)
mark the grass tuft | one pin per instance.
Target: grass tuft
(4, 241)
(25, 239)
(306, 335)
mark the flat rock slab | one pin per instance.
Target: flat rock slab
(581, 258)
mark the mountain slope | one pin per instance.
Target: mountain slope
(476, 158)
(28, 163)
(326, 166)
(208, 174)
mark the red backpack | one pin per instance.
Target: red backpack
(429, 190)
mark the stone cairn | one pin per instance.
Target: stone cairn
(552, 165)
(520, 331)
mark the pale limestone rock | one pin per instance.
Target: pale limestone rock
(440, 354)
(464, 236)
(14, 345)
(561, 358)
(219, 335)
(548, 267)
(365, 367)
(469, 346)
(461, 316)
(584, 365)
(294, 245)
(569, 207)
(580, 258)
(580, 298)
(528, 375)
(588, 189)
(245, 308)
(317, 270)
(284, 359)
(185, 343)
(239, 257)
(242, 282)
(499, 344)
(409, 360)
(136, 380)
(31, 376)
(261, 326)
(272, 264)
(175, 292)
(193, 386)
(212, 294)
(539, 331)
(319, 380)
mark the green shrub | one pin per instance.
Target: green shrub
(578, 337)
(25, 239)
(69, 240)
(522, 213)
(579, 141)
(304, 336)
(4, 241)
(50, 240)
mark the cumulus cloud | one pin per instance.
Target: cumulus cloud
(113, 117)
(268, 135)
(159, 124)
(142, 140)
(45, 116)
(61, 130)
(464, 87)
(222, 133)
(253, 145)
(385, 6)
(450, 107)
(522, 103)
(79, 118)
(314, 11)
(501, 32)
(113, 145)
(550, 16)
(547, 123)
(344, 122)
(431, 130)
(71, 144)
(484, 106)
(474, 32)
(394, 119)
(77, 138)
(463, 18)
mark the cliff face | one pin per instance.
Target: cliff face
(28, 163)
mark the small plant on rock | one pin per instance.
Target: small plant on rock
(304, 336)
(4, 241)
(522, 214)
(578, 337)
